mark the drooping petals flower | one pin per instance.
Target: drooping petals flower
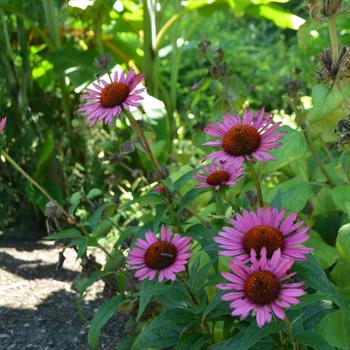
(264, 228)
(2, 124)
(247, 136)
(218, 175)
(107, 99)
(262, 287)
(165, 256)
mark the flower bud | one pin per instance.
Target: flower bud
(51, 210)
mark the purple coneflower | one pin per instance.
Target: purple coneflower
(217, 176)
(166, 256)
(264, 228)
(248, 136)
(109, 98)
(261, 287)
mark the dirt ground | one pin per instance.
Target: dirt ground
(38, 303)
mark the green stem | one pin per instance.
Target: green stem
(334, 40)
(139, 133)
(110, 256)
(256, 181)
(316, 157)
(33, 182)
(290, 334)
(219, 205)
(184, 282)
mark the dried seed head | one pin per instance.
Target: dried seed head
(314, 9)
(127, 147)
(51, 210)
(339, 72)
(331, 8)
(204, 46)
(102, 62)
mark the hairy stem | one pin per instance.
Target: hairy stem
(316, 157)
(256, 180)
(334, 40)
(141, 136)
(34, 183)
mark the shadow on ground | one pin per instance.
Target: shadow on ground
(54, 324)
(38, 306)
(34, 269)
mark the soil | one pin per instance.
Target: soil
(38, 302)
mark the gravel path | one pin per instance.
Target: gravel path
(38, 304)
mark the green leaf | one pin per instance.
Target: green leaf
(160, 212)
(94, 193)
(291, 199)
(69, 233)
(343, 242)
(245, 339)
(84, 283)
(183, 179)
(153, 197)
(341, 269)
(313, 339)
(105, 209)
(162, 332)
(327, 110)
(341, 197)
(345, 164)
(103, 228)
(293, 147)
(103, 314)
(324, 253)
(148, 290)
(81, 243)
(312, 273)
(334, 328)
(190, 196)
(278, 15)
(189, 341)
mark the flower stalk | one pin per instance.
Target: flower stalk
(256, 181)
(334, 41)
(142, 138)
(36, 184)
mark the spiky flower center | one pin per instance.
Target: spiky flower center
(160, 255)
(218, 178)
(263, 236)
(241, 140)
(114, 94)
(262, 287)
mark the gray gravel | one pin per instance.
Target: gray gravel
(38, 303)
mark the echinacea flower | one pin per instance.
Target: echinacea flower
(2, 124)
(109, 98)
(219, 175)
(166, 256)
(261, 287)
(264, 228)
(243, 137)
